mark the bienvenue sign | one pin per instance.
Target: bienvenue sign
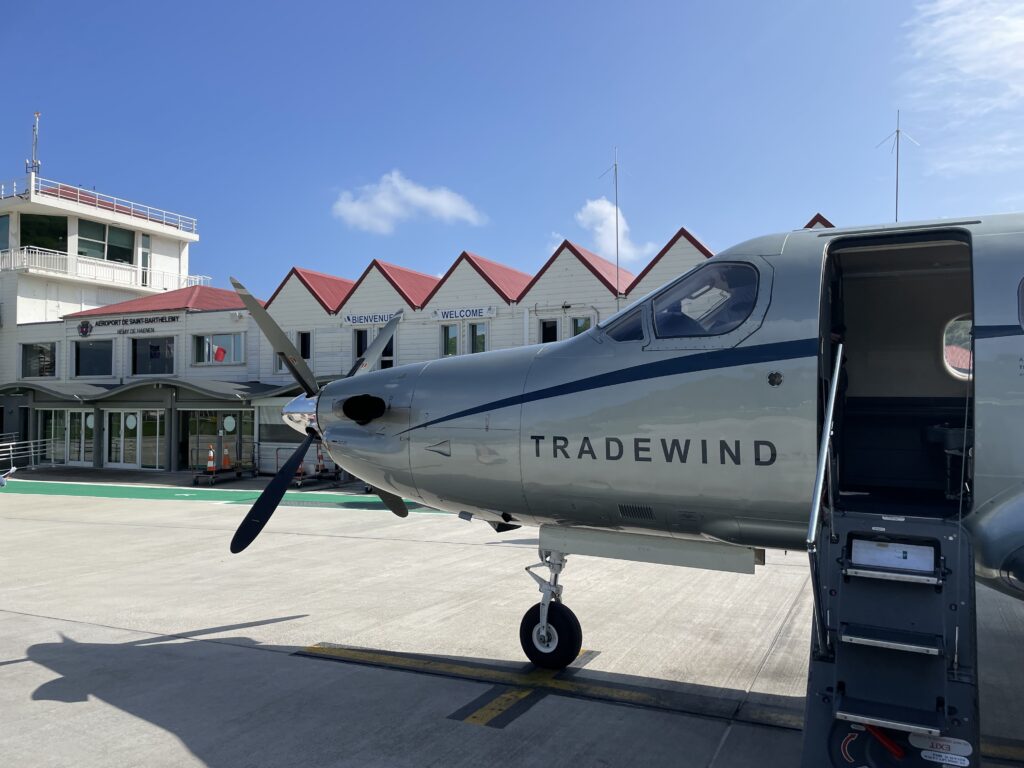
(370, 319)
(463, 313)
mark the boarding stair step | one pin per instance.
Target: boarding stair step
(891, 716)
(891, 639)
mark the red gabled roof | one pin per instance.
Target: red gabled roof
(411, 285)
(818, 219)
(198, 298)
(329, 290)
(508, 282)
(682, 233)
(602, 269)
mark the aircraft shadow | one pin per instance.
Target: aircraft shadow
(232, 705)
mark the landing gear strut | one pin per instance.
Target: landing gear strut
(550, 633)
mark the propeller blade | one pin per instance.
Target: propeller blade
(268, 500)
(373, 352)
(392, 502)
(279, 341)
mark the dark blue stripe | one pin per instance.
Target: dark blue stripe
(706, 361)
(997, 331)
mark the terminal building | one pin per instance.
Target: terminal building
(113, 355)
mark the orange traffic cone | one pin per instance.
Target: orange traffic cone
(211, 465)
(225, 462)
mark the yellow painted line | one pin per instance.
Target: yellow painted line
(538, 678)
(498, 706)
(524, 683)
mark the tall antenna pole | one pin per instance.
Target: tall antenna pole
(615, 166)
(896, 136)
(615, 176)
(32, 166)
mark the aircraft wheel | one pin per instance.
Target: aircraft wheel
(562, 645)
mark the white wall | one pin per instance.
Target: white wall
(567, 281)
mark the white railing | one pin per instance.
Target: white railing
(112, 204)
(87, 268)
(26, 453)
(10, 189)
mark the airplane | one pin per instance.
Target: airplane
(867, 371)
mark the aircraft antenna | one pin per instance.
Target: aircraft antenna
(32, 166)
(896, 136)
(615, 176)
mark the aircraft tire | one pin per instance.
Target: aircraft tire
(566, 642)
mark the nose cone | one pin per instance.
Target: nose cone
(300, 414)
(362, 419)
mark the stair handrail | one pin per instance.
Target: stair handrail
(814, 524)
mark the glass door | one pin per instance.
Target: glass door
(152, 450)
(122, 438)
(80, 434)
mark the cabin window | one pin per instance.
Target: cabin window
(710, 301)
(449, 340)
(956, 347)
(548, 331)
(39, 359)
(629, 328)
(477, 333)
(1020, 303)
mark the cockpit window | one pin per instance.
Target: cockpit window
(956, 347)
(708, 302)
(629, 328)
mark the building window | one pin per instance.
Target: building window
(98, 241)
(449, 340)
(580, 325)
(144, 258)
(5, 232)
(218, 348)
(39, 359)
(304, 343)
(477, 337)
(153, 356)
(360, 341)
(94, 358)
(48, 232)
(387, 357)
(548, 331)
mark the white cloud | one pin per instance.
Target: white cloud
(378, 207)
(966, 82)
(598, 216)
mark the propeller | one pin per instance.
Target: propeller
(268, 501)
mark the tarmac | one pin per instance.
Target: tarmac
(344, 636)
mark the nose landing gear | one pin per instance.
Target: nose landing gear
(550, 633)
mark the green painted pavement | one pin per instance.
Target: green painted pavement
(223, 495)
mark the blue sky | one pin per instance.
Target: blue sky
(327, 134)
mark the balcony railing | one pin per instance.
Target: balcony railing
(73, 194)
(97, 270)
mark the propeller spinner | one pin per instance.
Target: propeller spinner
(300, 413)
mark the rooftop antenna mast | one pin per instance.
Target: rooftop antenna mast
(896, 136)
(615, 176)
(32, 166)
